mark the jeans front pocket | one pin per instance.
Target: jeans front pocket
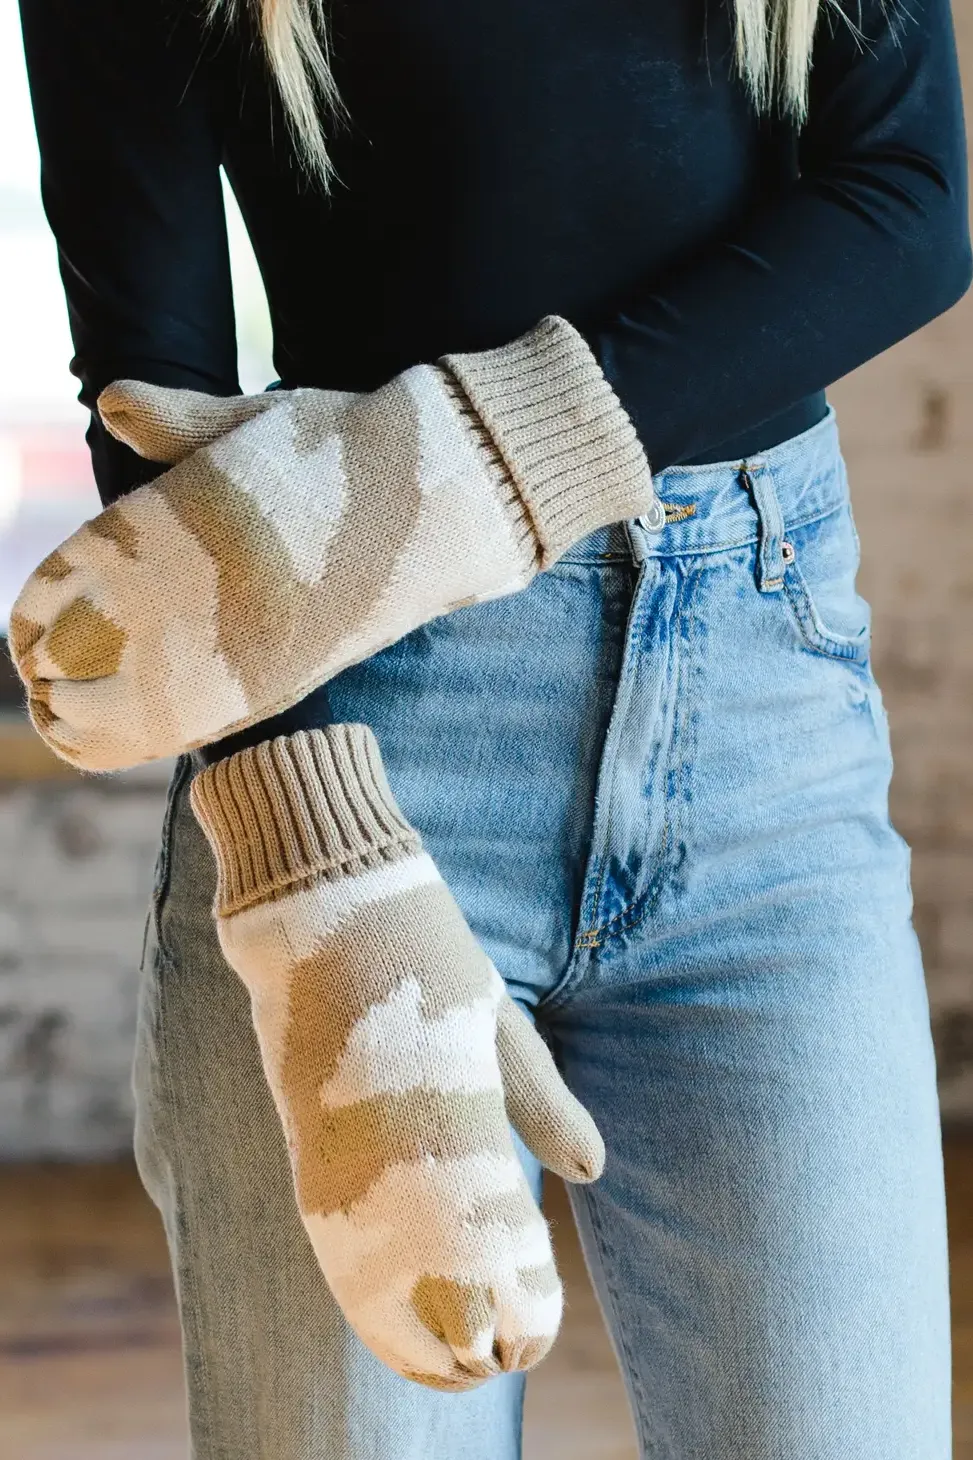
(821, 568)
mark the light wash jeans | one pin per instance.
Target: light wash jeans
(656, 782)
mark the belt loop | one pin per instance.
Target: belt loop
(758, 482)
(636, 535)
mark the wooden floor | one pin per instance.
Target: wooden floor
(89, 1349)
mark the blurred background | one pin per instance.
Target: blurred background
(89, 1351)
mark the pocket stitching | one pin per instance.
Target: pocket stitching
(812, 630)
(845, 649)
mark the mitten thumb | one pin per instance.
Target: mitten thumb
(164, 424)
(540, 1107)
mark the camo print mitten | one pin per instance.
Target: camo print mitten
(396, 1059)
(301, 531)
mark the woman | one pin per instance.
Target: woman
(656, 780)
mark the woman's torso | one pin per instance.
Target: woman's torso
(504, 159)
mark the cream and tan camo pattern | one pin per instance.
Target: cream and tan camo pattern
(301, 531)
(396, 1059)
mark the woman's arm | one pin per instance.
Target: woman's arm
(130, 154)
(871, 243)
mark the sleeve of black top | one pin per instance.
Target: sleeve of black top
(130, 154)
(871, 242)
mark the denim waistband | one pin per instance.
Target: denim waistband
(729, 504)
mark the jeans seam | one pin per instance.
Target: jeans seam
(624, 686)
(596, 863)
(644, 904)
(160, 891)
(618, 1332)
(646, 901)
(163, 964)
(519, 1428)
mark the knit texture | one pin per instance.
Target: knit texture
(298, 808)
(301, 531)
(396, 1059)
(545, 405)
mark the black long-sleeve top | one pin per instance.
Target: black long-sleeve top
(507, 159)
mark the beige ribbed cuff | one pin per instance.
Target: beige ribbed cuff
(289, 811)
(506, 488)
(561, 431)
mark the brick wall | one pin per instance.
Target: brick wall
(76, 864)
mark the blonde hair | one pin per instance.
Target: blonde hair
(773, 55)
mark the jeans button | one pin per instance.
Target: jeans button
(655, 519)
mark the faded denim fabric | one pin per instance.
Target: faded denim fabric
(656, 782)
